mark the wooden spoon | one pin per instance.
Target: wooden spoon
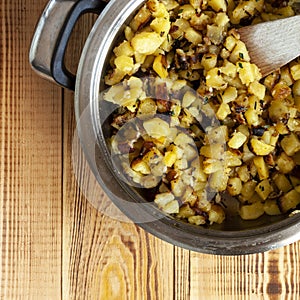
(272, 44)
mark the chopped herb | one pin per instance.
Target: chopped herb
(205, 100)
(241, 55)
(258, 131)
(240, 65)
(240, 109)
(180, 11)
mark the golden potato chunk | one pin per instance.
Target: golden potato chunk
(261, 148)
(217, 5)
(262, 167)
(289, 201)
(237, 140)
(290, 144)
(157, 127)
(252, 211)
(146, 42)
(263, 189)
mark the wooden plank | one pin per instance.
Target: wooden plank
(103, 257)
(270, 275)
(182, 274)
(30, 164)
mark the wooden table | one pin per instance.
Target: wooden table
(54, 243)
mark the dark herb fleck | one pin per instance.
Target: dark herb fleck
(205, 100)
(240, 109)
(259, 131)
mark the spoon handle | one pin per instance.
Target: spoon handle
(272, 44)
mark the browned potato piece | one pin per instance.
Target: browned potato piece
(289, 201)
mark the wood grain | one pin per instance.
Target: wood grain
(60, 237)
(273, 44)
(270, 275)
(30, 165)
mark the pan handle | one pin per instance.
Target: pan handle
(51, 38)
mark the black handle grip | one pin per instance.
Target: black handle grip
(58, 69)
